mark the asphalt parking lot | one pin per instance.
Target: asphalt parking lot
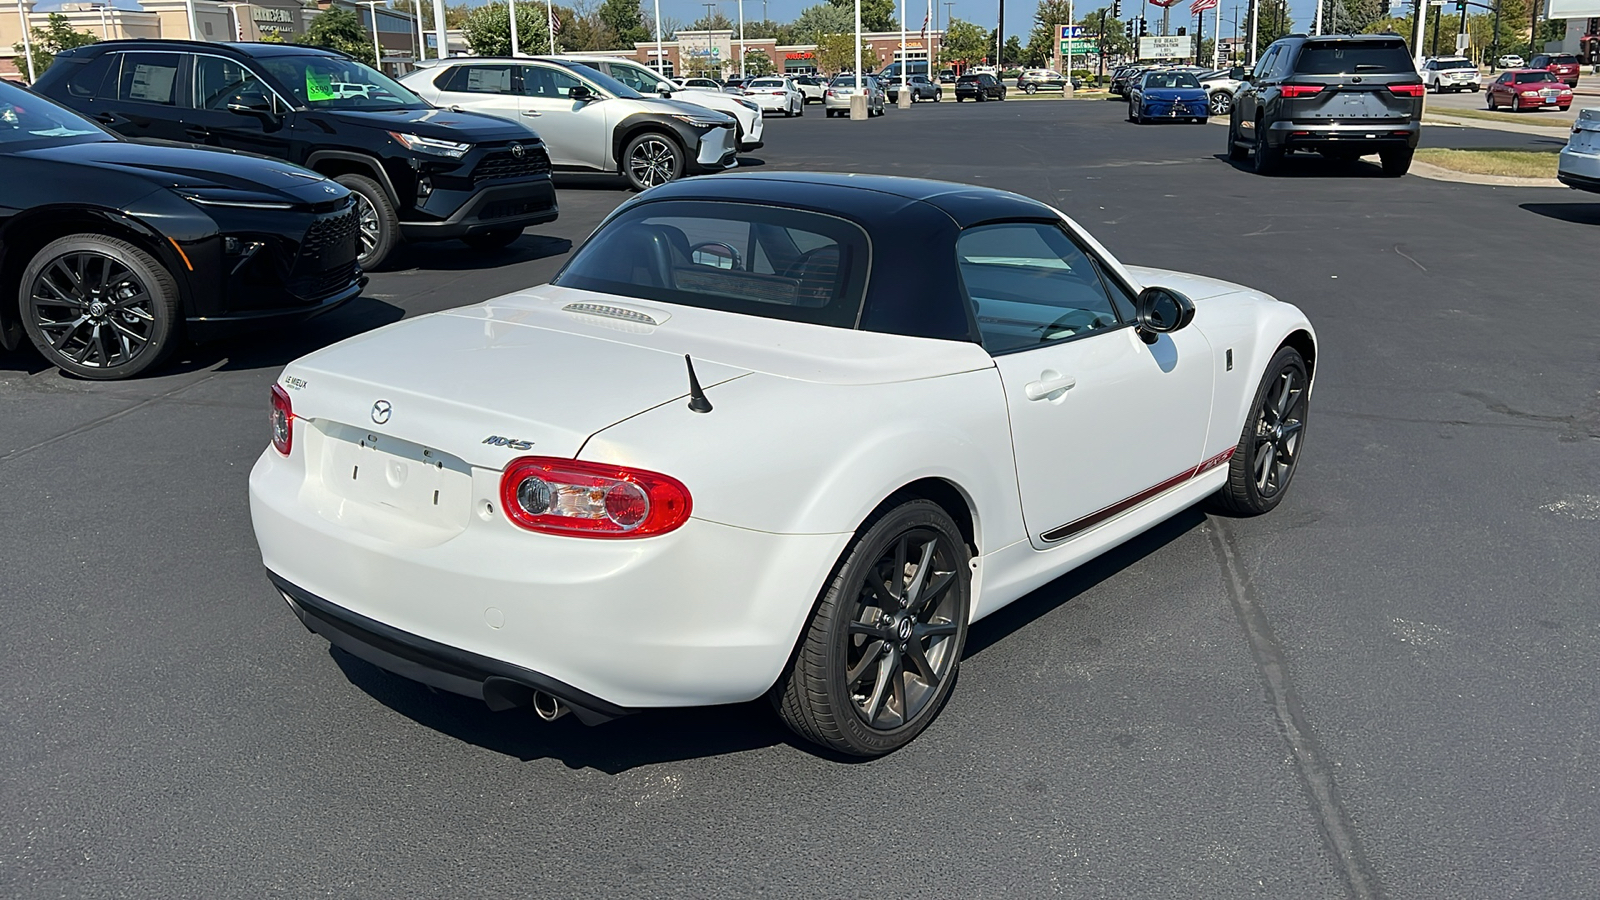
(1384, 688)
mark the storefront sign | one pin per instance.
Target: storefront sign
(803, 54)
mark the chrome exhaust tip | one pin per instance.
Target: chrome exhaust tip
(548, 707)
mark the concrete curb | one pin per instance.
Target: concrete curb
(1440, 173)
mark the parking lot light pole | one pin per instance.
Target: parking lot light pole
(1255, 22)
(1421, 24)
(377, 51)
(27, 42)
(1316, 20)
(903, 97)
(439, 35)
(511, 19)
(661, 61)
(742, 51)
(858, 100)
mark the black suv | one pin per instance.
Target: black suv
(1342, 96)
(418, 172)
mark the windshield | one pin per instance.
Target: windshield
(1171, 80)
(603, 81)
(334, 82)
(762, 261)
(26, 117)
(1349, 57)
(640, 78)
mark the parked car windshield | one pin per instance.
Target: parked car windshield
(756, 260)
(1347, 57)
(334, 82)
(26, 117)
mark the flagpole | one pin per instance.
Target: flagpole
(511, 16)
(661, 63)
(1216, 39)
(550, 25)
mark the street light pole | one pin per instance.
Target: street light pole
(742, 51)
(661, 60)
(439, 35)
(511, 18)
(1421, 24)
(422, 41)
(377, 51)
(27, 42)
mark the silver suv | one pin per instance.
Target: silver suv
(645, 80)
(589, 121)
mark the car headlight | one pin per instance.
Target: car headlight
(698, 121)
(748, 105)
(232, 198)
(434, 146)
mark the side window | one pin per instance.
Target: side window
(1265, 65)
(220, 82)
(86, 79)
(149, 78)
(632, 78)
(547, 83)
(1030, 285)
(480, 80)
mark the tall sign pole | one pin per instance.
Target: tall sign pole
(443, 48)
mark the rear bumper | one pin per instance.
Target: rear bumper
(1579, 170)
(516, 205)
(1374, 135)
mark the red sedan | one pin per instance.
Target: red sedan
(1528, 89)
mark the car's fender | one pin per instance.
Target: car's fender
(790, 456)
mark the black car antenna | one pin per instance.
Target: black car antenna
(697, 397)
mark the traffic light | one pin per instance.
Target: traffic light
(1461, 6)
(1144, 27)
(1116, 9)
(1127, 29)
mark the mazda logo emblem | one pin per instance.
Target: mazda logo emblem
(381, 411)
(517, 151)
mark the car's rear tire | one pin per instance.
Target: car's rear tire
(1396, 162)
(1268, 453)
(378, 226)
(492, 240)
(99, 307)
(1030, 89)
(650, 159)
(1266, 159)
(880, 655)
(1236, 153)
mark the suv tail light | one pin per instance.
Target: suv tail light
(1291, 91)
(585, 499)
(1408, 90)
(282, 421)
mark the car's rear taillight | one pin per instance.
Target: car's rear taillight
(282, 421)
(1291, 91)
(585, 499)
(1407, 90)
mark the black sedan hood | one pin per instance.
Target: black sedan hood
(183, 166)
(444, 124)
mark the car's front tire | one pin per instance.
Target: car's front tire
(1236, 153)
(378, 226)
(879, 657)
(1268, 452)
(99, 307)
(650, 159)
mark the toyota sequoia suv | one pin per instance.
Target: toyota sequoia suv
(1341, 96)
(418, 172)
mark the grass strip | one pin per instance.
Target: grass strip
(1519, 118)
(1512, 163)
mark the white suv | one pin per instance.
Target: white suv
(644, 80)
(1450, 73)
(589, 121)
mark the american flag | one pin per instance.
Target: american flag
(1200, 6)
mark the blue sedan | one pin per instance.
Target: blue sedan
(1167, 95)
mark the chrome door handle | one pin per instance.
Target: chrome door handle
(1049, 384)
(530, 112)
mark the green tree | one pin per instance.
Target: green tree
(814, 22)
(756, 63)
(964, 42)
(1012, 53)
(57, 35)
(488, 30)
(876, 15)
(625, 21)
(341, 30)
(715, 21)
(836, 53)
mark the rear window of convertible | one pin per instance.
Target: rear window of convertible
(757, 260)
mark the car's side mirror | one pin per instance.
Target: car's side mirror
(580, 94)
(1236, 73)
(664, 91)
(1160, 310)
(255, 107)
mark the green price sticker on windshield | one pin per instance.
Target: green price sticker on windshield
(319, 86)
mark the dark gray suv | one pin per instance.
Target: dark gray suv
(1342, 96)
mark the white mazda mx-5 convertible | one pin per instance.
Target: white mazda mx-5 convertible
(783, 434)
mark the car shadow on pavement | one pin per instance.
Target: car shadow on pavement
(1313, 165)
(645, 738)
(454, 256)
(1579, 213)
(1069, 587)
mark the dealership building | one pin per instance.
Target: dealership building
(695, 52)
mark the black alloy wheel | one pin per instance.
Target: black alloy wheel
(879, 657)
(651, 158)
(1268, 452)
(99, 307)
